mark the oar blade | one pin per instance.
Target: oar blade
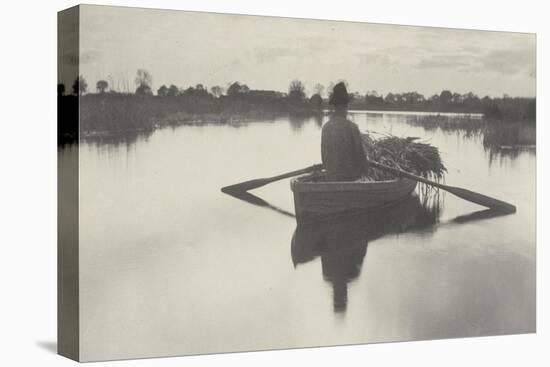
(246, 186)
(482, 200)
(468, 195)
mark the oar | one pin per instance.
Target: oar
(468, 195)
(254, 200)
(259, 182)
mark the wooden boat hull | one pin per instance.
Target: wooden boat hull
(317, 199)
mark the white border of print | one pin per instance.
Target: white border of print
(28, 185)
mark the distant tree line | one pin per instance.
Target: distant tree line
(504, 107)
(110, 110)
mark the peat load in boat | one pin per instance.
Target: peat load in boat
(316, 198)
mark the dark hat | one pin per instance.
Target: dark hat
(339, 95)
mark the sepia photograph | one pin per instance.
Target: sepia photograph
(232, 183)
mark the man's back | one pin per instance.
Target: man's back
(342, 150)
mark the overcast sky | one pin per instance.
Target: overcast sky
(186, 48)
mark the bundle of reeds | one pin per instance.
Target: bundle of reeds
(406, 154)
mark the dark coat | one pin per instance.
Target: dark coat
(342, 150)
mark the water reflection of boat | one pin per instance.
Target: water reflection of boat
(342, 241)
(314, 197)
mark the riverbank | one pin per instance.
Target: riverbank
(106, 114)
(125, 112)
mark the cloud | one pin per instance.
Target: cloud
(271, 54)
(443, 61)
(470, 59)
(380, 59)
(301, 49)
(508, 61)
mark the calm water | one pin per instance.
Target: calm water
(169, 264)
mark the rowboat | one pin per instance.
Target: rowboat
(315, 198)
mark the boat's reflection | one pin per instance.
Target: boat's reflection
(341, 242)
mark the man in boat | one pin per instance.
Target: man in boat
(341, 145)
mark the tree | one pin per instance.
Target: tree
(390, 98)
(216, 91)
(319, 89)
(445, 97)
(80, 86)
(398, 98)
(236, 88)
(470, 100)
(296, 90)
(201, 90)
(198, 91)
(413, 97)
(60, 89)
(470, 96)
(373, 93)
(189, 92)
(162, 91)
(143, 81)
(101, 86)
(457, 98)
(434, 98)
(173, 91)
(373, 98)
(143, 77)
(316, 101)
(144, 90)
(355, 96)
(330, 89)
